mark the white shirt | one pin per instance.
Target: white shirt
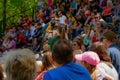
(105, 69)
(62, 19)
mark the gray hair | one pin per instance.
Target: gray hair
(20, 65)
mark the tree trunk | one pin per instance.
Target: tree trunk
(4, 14)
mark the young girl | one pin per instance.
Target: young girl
(105, 66)
(90, 60)
(47, 64)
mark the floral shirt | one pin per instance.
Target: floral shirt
(40, 76)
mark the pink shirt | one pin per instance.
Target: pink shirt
(12, 45)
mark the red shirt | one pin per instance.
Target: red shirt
(22, 38)
(94, 39)
(40, 76)
(107, 11)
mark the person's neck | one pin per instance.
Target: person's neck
(57, 65)
(110, 43)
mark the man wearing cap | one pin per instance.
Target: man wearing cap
(109, 27)
(109, 39)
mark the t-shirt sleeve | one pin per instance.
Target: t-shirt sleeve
(47, 76)
(100, 74)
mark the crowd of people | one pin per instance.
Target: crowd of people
(66, 40)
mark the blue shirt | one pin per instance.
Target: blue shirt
(69, 71)
(32, 30)
(114, 53)
(73, 4)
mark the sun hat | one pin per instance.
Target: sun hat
(89, 57)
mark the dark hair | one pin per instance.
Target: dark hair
(62, 51)
(78, 41)
(10, 38)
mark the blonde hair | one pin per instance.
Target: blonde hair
(20, 65)
(92, 69)
(46, 47)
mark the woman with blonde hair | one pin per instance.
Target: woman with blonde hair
(20, 65)
(90, 60)
(47, 64)
(105, 66)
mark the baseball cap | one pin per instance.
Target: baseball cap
(110, 26)
(89, 57)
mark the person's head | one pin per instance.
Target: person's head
(11, 31)
(93, 15)
(86, 28)
(98, 26)
(92, 2)
(62, 52)
(47, 61)
(20, 65)
(100, 49)
(39, 25)
(108, 38)
(87, 13)
(89, 59)
(11, 37)
(98, 17)
(109, 3)
(68, 14)
(46, 48)
(109, 27)
(59, 13)
(82, 12)
(78, 43)
(81, 40)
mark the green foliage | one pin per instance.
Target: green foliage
(15, 8)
